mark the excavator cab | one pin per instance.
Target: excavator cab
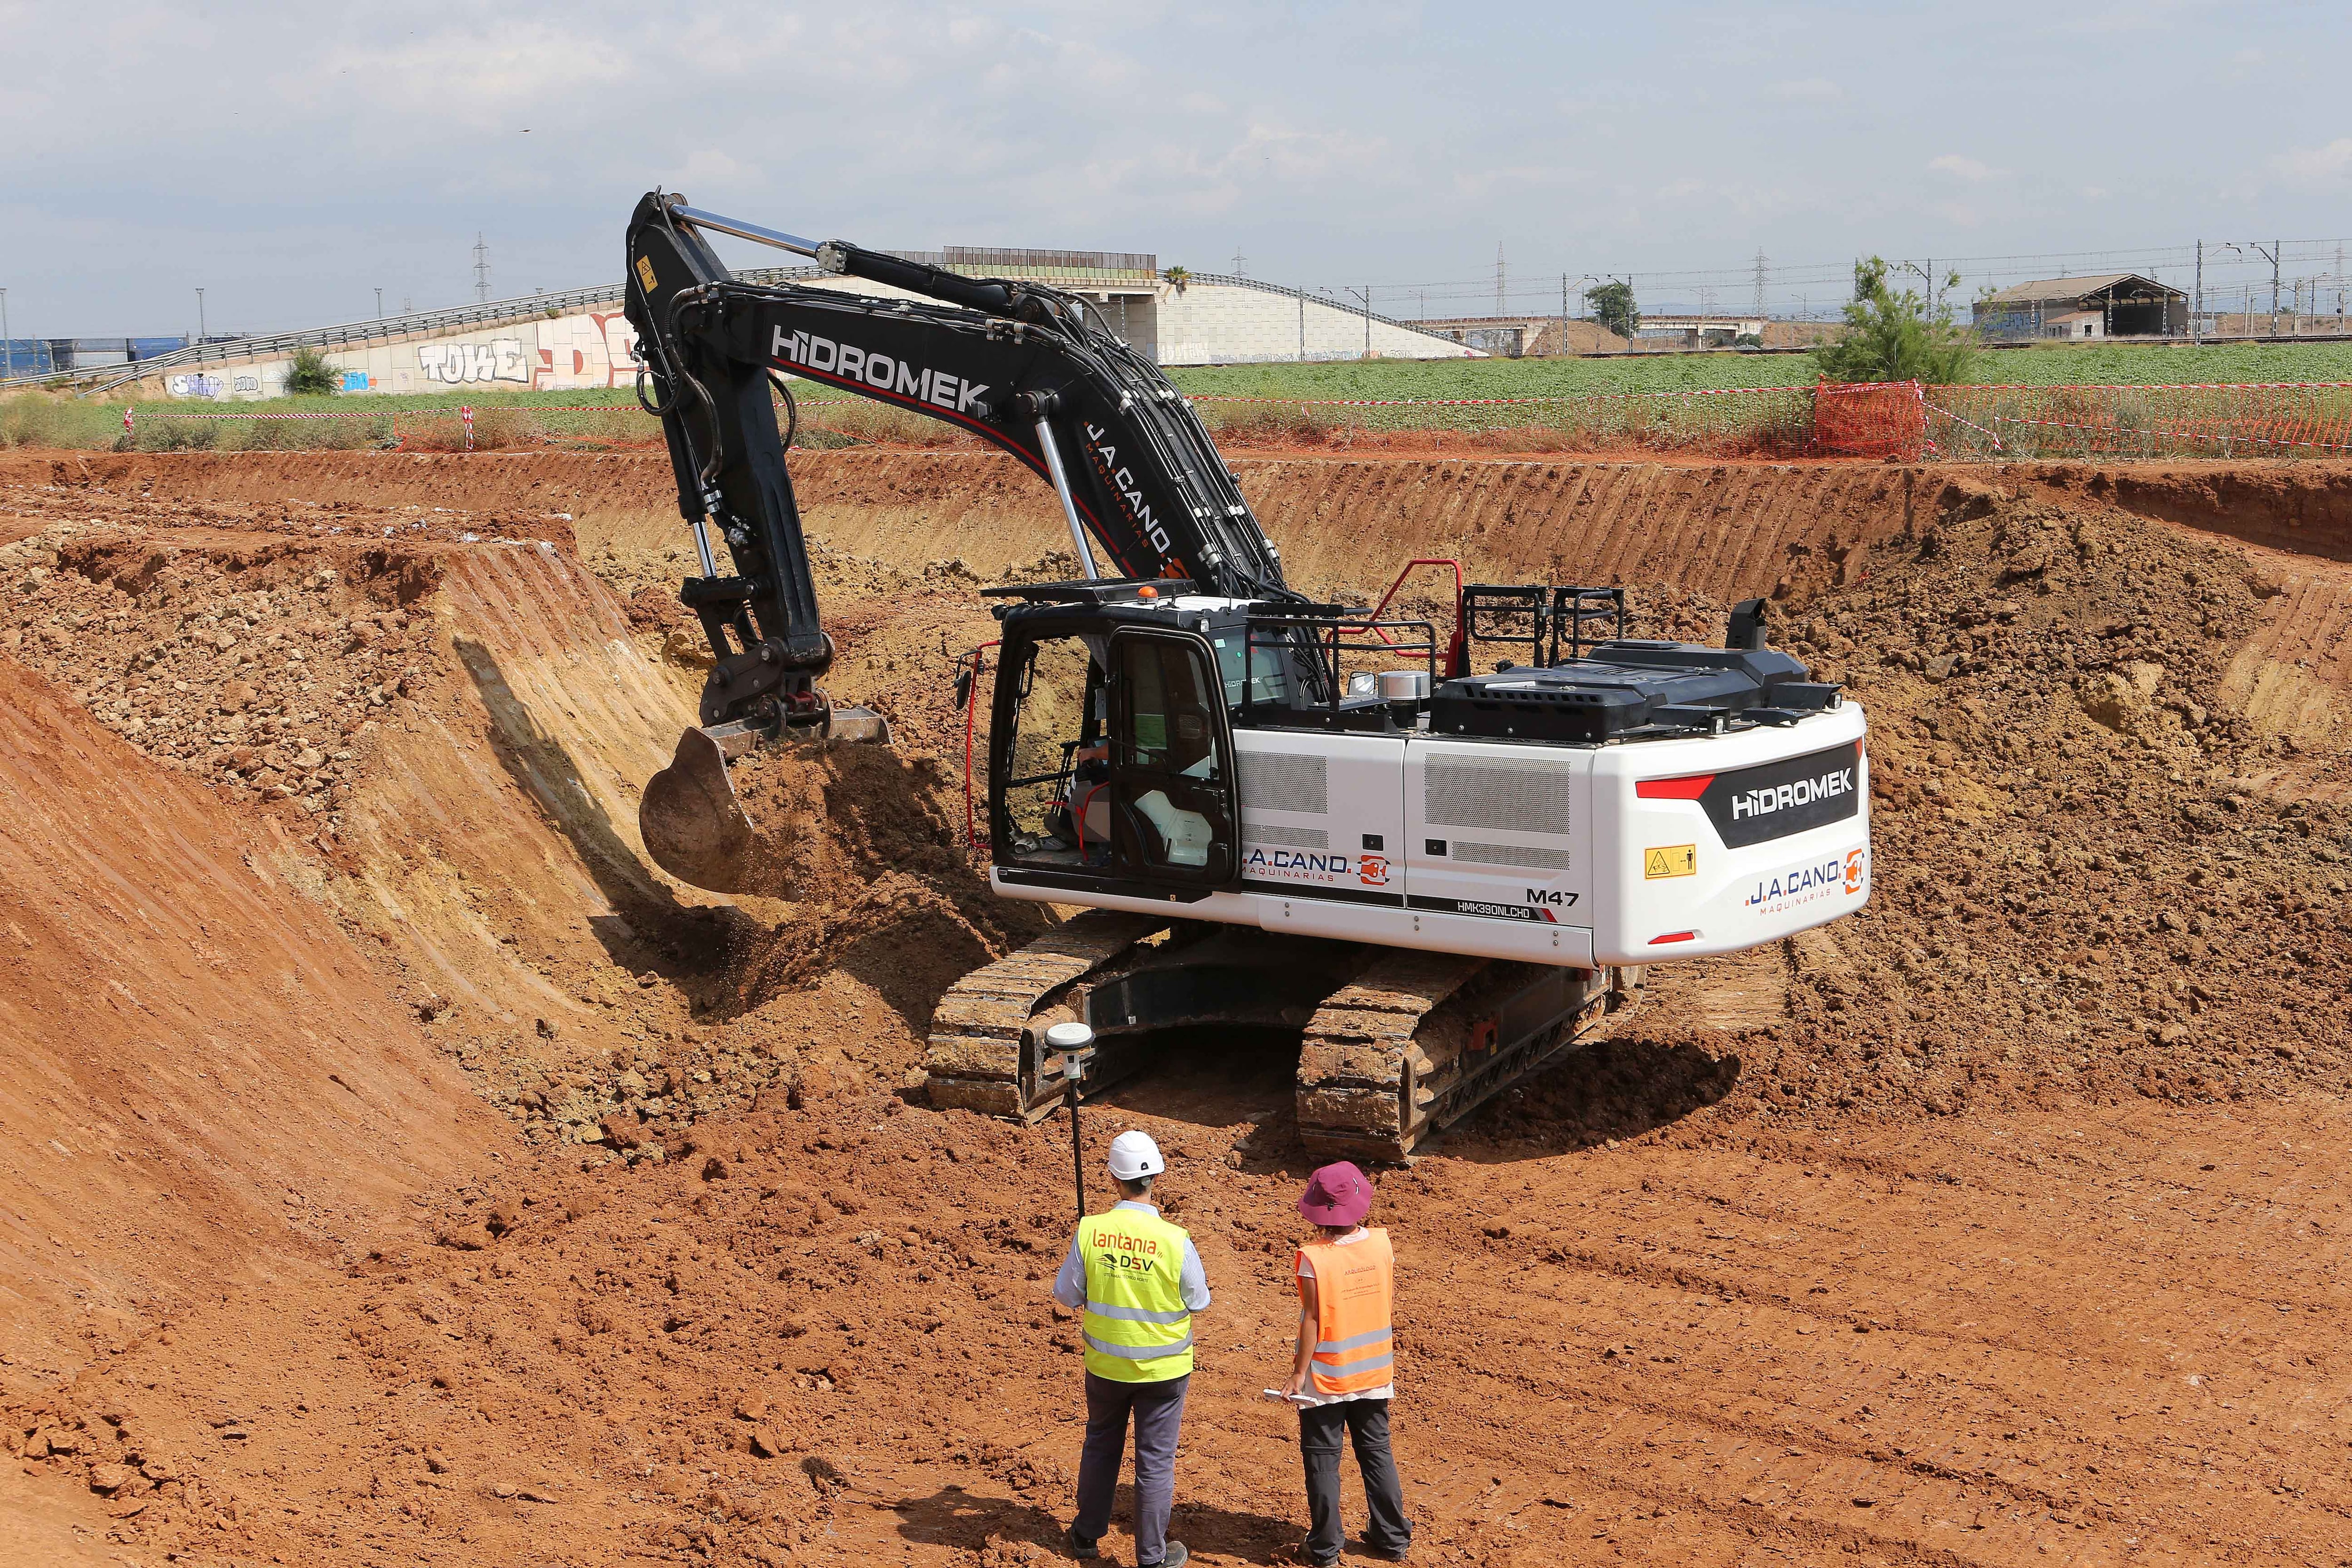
(1111, 752)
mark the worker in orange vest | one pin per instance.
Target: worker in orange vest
(1344, 1375)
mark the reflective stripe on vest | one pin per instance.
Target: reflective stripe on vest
(1136, 1328)
(1354, 1287)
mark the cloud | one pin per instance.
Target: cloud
(1962, 168)
(2325, 165)
(1812, 90)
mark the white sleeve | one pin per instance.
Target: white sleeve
(1193, 1280)
(1070, 1283)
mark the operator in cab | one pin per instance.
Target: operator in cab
(1138, 1280)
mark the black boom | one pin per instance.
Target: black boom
(1020, 365)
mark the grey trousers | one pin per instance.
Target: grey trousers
(1158, 1409)
(1320, 1431)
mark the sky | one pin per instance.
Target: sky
(290, 159)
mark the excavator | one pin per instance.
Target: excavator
(1258, 810)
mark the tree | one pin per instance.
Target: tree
(1612, 306)
(312, 372)
(1892, 336)
(1176, 278)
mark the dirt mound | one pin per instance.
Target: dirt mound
(261, 666)
(2080, 888)
(876, 862)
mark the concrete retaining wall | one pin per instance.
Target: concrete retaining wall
(590, 349)
(1227, 323)
(1207, 323)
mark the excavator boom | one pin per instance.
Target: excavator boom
(1028, 369)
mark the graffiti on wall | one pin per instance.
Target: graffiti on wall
(455, 364)
(591, 349)
(196, 386)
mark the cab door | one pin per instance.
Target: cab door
(1173, 815)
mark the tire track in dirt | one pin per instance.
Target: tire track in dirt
(1630, 1304)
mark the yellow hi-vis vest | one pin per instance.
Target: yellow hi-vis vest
(1137, 1327)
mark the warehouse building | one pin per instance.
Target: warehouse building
(2114, 305)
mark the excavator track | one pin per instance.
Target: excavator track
(1419, 1040)
(984, 1054)
(1396, 1045)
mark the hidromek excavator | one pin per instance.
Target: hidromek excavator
(1443, 877)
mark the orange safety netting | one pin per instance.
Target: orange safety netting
(1870, 419)
(2279, 419)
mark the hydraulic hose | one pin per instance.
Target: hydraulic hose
(707, 469)
(792, 409)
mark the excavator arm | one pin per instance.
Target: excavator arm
(1028, 369)
(1022, 367)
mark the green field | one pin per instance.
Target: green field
(517, 418)
(2106, 364)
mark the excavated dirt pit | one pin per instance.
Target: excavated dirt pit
(399, 1170)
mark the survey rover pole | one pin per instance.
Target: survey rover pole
(1074, 1044)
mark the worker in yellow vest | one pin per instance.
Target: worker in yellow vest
(1344, 1373)
(1138, 1280)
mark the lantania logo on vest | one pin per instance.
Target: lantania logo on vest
(1120, 1241)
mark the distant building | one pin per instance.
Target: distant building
(2114, 305)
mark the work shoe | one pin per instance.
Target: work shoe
(1078, 1546)
(1175, 1557)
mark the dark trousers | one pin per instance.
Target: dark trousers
(1158, 1409)
(1365, 1421)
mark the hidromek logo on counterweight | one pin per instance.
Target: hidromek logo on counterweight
(1799, 792)
(879, 371)
(1774, 800)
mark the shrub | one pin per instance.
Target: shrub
(178, 435)
(311, 373)
(1892, 336)
(315, 435)
(58, 419)
(862, 422)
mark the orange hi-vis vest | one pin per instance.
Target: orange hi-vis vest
(1355, 1287)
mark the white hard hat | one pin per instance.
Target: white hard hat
(1134, 1156)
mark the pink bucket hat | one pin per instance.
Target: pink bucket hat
(1336, 1195)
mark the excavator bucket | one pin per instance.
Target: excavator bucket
(693, 823)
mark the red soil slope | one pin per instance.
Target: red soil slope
(202, 1075)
